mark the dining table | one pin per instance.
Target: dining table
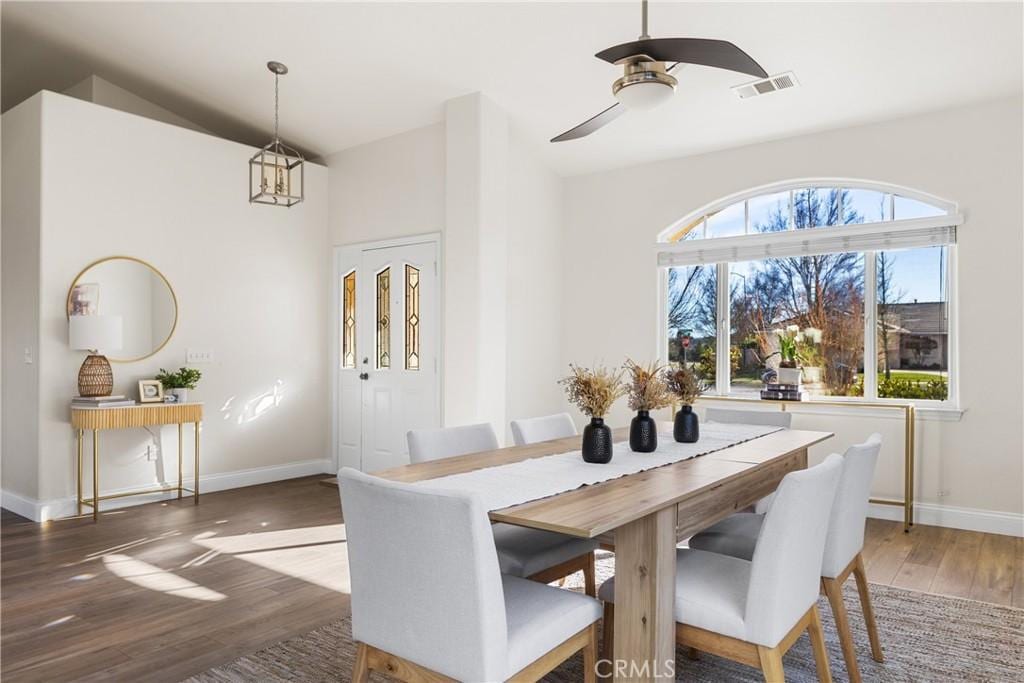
(642, 517)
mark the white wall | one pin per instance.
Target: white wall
(250, 282)
(388, 188)
(972, 156)
(535, 268)
(21, 168)
(98, 91)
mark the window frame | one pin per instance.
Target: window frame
(808, 237)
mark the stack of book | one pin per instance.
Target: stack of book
(782, 392)
(117, 401)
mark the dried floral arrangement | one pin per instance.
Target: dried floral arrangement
(646, 388)
(593, 391)
(683, 383)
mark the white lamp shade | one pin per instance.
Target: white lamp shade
(644, 95)
(95, 332)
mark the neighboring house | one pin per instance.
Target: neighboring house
(918, 335)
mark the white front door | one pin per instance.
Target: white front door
(389, 342)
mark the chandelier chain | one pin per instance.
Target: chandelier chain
(276, 78)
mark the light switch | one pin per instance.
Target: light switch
(197, 356)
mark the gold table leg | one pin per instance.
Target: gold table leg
(181, 437)
(95, 475)
(196, 494)
(79, 501)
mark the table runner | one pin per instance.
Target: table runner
(547, 475)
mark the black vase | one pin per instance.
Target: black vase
(597, 442)
(643, 433)
(686, 428)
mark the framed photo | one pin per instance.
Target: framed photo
(85, 299)
(151, 391)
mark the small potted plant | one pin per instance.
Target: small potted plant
(647, 391)
(594, 392)
(684, 385)
(178, 383)
(789, 370)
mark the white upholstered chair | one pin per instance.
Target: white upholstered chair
(738, 536)
(752, 611)
(767, 418)
(428, 599)
(530, 553)
(770, 418)
(535, 429)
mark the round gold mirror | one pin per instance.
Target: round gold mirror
(134, 291)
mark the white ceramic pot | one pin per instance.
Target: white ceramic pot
(789, 375)
(180, 395)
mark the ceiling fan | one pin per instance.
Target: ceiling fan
(647, 83)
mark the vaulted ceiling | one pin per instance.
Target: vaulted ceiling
(363, 71)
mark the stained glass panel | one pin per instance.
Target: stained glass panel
(384, 318)
(412, 318)
(348, 321)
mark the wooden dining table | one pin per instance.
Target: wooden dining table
(643, 516)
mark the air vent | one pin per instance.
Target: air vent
(766, 85)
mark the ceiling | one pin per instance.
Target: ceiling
(363, 71)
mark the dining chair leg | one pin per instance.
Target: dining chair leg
(869, 613)
(771, 664)
(590, 576)
(609, 632)
(834, 592)
(590, 656)
(361, 669)
(817, 634)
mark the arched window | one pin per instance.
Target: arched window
(848, 280)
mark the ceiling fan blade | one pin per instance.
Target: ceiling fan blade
(590, 125)
(718, 53)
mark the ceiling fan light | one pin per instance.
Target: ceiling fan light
(645, 85)
(644, 95)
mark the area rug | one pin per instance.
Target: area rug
(925, 638)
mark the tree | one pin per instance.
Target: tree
(888, 297)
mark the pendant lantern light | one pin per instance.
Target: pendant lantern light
(276, 171)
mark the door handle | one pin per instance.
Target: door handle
(364, 375)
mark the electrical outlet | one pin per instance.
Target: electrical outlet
(197, 356)
(150, 453)
(28, 356)
(943, 493)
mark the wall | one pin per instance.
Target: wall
(98, 91)
(393, 187)
(969, 471)
(249, 281)
(535, 270)
(20, 287)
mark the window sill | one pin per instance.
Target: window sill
(837, 407)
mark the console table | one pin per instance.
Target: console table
(146, 415)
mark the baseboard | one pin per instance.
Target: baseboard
(972, 519)
(41, 511)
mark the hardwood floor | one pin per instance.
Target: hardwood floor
(162, 591)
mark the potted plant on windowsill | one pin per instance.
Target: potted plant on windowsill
(789, 369)
(178, 383)
(594, 392)
(684, 385)
(647, 391)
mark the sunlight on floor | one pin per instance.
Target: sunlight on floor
(314, 554)
(154, 578)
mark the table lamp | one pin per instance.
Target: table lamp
(95, 333)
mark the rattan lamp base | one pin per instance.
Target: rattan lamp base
(95, 378)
